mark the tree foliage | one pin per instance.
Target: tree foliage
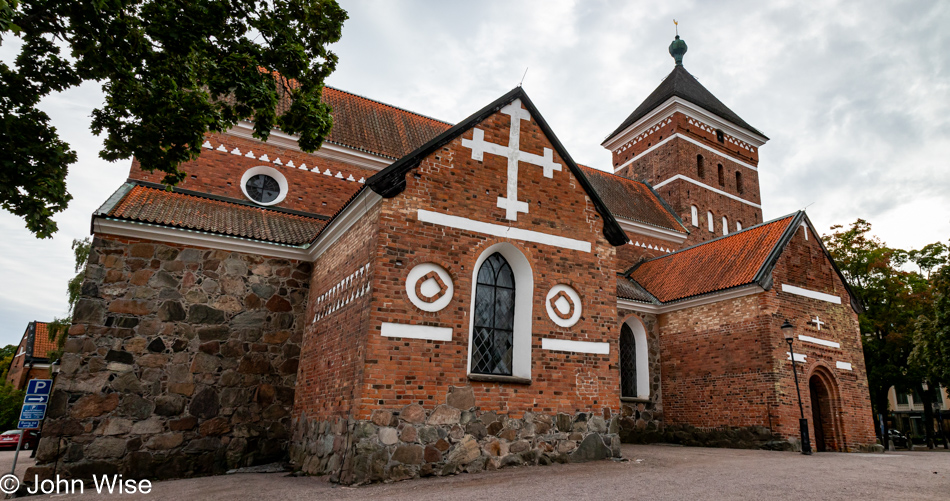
(59, 328)
(892, 325)
(171, 70)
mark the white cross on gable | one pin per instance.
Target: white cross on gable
(817, 322)
(513, 152)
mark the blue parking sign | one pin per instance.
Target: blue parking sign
(39, 387)
(33, 412)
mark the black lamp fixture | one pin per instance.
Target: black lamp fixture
(787, 329)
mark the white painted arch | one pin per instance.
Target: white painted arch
(524, 300)
(642, 355)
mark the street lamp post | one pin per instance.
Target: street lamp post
(802, 423)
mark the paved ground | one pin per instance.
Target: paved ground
(652, 472)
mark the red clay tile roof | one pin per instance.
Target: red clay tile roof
(152, 205)
(716, 265)
(42, 344)
(633, 200)
(376, 127)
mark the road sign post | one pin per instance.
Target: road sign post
(33, 411)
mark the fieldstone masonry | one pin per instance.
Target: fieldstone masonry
(181, 361)
(451, 438)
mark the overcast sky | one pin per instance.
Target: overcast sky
(855, 97)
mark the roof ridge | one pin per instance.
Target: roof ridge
(388, 105)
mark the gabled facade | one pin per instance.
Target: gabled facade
(32, 358)
(421, 298)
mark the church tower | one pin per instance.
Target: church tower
(695, 152)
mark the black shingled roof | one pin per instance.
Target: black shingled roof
(681, 83)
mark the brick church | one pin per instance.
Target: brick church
(424, 298)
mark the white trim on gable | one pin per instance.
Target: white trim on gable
(344, 221)
(710, 188)
(676, 104)
(689, 140)
(651, 231)
(821, 296)
(498, 230)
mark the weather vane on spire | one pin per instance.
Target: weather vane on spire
(678, 47)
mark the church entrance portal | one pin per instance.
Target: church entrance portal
(821, 391)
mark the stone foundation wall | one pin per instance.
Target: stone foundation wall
(451, 438)
(181, 361)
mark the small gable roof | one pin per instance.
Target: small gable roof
(726, 262)
(682, 84)
(633, 200)
(391, 181)
(742, 258)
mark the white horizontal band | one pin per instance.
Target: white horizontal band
(822, 342)
(689, 140)
(710, 188)
(799, 357)
(821, 296)
(843, 365)
(498, 230)
(575, 346)
(389, 329)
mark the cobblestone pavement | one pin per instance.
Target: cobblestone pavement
(651, 472)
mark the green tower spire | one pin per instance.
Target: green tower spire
(677, 49)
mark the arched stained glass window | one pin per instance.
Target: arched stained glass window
(493, 336)
(628, 362)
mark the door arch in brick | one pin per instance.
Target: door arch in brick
(825, 404)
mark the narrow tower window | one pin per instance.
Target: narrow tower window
(738, 225)
(712, 224)
(700, 167)
(722, 178)
(725, 225)
(694, 216)
(720, 137)
(739, 182)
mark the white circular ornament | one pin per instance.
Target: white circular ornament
(429, 287)
(563, 305)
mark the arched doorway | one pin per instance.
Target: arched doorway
(823, 397)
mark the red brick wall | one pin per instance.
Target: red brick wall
(726, 363)
(331, 361)
(678, 156)
(219, 173)
(717, 364)
(403, 371)
(803, 264)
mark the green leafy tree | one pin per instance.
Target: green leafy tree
(6, 360)
(931, 353)
(58, 328)
(893, 299)
(171, 70)
(11, 400)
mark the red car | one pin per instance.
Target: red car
(9, 439)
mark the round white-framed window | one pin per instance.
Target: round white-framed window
(563, 305)
(429, 287)
(264, 185)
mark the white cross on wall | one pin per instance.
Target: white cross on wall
(817, 321)
(513, 152)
